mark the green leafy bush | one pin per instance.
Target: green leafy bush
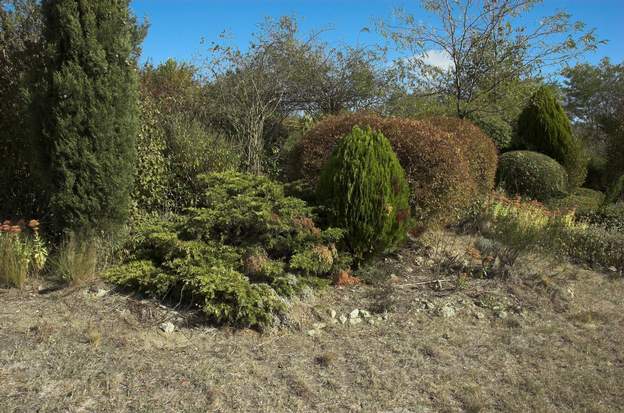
(437, 163)
(609, 216)
(237, 254)
(364, 187)
(616, 191)
(544, 127)
(597, 173)
(532, 175)
(151, 180)
(496, 128)
(583, 200)
(192, 149)
(172, 149)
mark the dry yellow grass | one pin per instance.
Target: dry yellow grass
(512, 346)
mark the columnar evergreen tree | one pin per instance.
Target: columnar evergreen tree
(544, 127)
(365, 188)
(89, 111)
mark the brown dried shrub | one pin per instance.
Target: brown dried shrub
(444, 172)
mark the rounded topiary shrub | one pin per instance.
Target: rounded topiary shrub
(532, 175)
(544, 127)
(365, 189)
(438, 173)
(481, 155)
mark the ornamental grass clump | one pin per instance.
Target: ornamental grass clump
(22, 252)
(238, 255)
(530, 226)
(364, 187)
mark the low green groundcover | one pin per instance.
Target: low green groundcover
(239, 255)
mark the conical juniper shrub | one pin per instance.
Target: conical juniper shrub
(364, 187)
(544, 127)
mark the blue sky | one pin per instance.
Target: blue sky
(177, 26)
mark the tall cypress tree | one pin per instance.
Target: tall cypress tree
(90, 111)
(544, 127)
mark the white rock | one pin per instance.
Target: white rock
(167, 327)
(354, 321)
(332, 313)
(101, 292)
(343, 318)
(612, 269)
(502, 314)
(447, 311)
(365, 313)
(354, 314)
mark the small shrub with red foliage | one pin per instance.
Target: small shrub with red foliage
(445, 173)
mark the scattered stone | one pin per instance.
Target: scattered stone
(379, 318)
(354, 321)
(612, 269)
(354, 314)
(446, 311)
(365, 313)
(332, 313)
(385, 316)
(479, 315)
(371, 321)
(502, 314)
(101, 292)
(167, 327)
(343, 319)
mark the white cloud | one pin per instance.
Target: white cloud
(438, 58)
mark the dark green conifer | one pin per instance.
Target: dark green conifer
(544, 127)
(89, 111)
(365, 188)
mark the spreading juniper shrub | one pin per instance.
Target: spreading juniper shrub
(238, 255)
